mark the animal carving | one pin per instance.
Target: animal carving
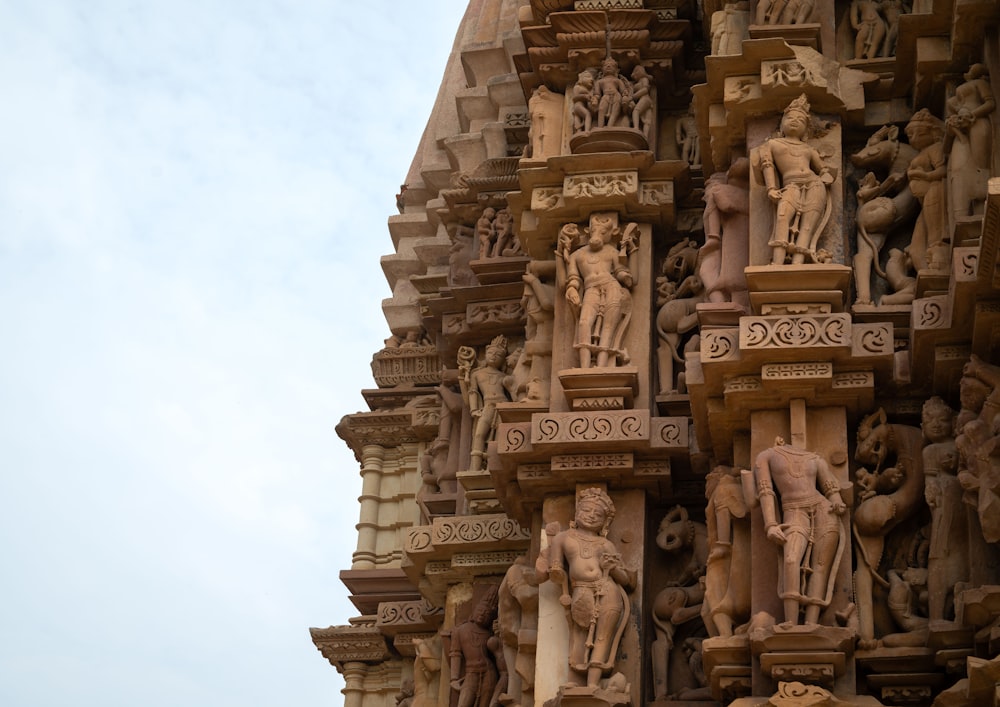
(902, 482)
(686, 541)
(879, 214)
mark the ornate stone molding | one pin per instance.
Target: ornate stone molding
(589, 428)
(813, 331)
(407, 366)
(356, 643)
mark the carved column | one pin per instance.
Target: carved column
(372, 456)
(354, 679)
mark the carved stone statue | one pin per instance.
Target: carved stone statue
(809, 531)
(970, 133)
(426, 669)
(926, 173)
(642, 113)
(518, 608)
(797, 182)
(883, 206)
(784, 12)
(947, 563)
(405, 696)
(473, 672)
(979, 453)
(485, 234)
(682, 291)
(594, 584)
(483, 388)
(544, 130)
(680, 601)
(584, 102)
(538, 303)
(869, 28)
(727, 575)
(507, 244)
(613, 93)
(892, 10)
(598, 281)
(893, 491)
(725, 254)
(730, 27)
(687, 139)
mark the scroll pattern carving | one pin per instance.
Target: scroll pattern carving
(400, 612)
(513, 437)
(418, 539)
(719, 345)
(966, 264)
(931, 313)
(590, 427)
(669, 432)
(872, 339)
(795, 332)
(471, 529)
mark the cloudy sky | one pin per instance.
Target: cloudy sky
(193, 197)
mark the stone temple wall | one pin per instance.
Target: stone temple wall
(691, 393)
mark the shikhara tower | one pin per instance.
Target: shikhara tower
(692, 393)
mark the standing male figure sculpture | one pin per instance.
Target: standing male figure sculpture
(809, 532)
(798, 182)
(594, 583)
(598, 281)
(483, 389)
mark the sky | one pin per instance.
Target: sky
(193, 202)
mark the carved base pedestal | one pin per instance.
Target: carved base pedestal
(600, 388)
(728, 667)
(608, 140)
(901, 676)
(814, 655)
(570, 696)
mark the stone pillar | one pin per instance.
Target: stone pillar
(354, 687)
(372, 456)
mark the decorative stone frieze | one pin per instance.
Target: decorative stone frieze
(361, 642)
(407, 366)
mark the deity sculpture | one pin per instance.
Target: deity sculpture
(892, 10)
(970, 134)
(947, 564)
(473, 671)
(598, 283)
(926, 173)
(893, 491)
(483, 388)
(810, 531)
(545, 126)
(798, 183)
(595, 585)
(869, 26)
(485, 234)
(784, 12)
(725, 254)
(506, 245)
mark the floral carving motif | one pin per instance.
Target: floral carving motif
(590, 426)
(476, 529)
(931, 313)
(719, 345)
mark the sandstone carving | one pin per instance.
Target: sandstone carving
(483, 387)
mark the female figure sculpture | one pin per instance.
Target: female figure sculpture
(970, 132)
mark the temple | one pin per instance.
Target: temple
(691, 390)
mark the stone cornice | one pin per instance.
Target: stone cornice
(360, 642)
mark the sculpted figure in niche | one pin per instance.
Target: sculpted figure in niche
(538, 303)
(809, 531)
(978, 445)
(727, 585)
(518, 608)
(473, 672)
(725, 254)
(681, 290)
(483, 388)
(883, 206)
(485, 234)
(869, 28)
(598, 284)
(543, 132)
(892, 9)
(729, 28)
(784, 12)
(405, 696)
(426, 669)
(926, 174)
(946, 561)
(584, 102)
(438, 465)
(642, 113)
(507, 245)
(798, 183)
(685, 540)
(594, 584)
(613, 94)
(687, 139)
(892, 482)
(970, 133)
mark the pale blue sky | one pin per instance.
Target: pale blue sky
(193, 198)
